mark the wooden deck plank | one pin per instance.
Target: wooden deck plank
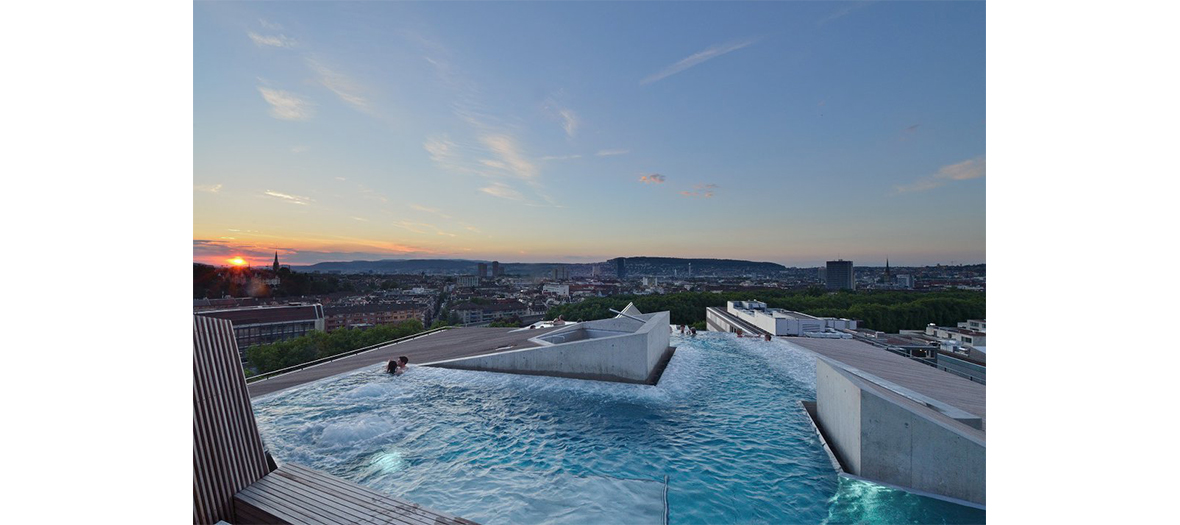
(269, 502)
(296, 502)
(297, 494)
(373, 501)
(247, 514)
(312, 499)
(264, 507)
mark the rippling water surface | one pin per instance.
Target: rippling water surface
(721, 439)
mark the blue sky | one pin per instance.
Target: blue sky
(791, 132)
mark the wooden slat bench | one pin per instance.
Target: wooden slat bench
(295, 494)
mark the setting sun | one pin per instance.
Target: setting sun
(236, 261)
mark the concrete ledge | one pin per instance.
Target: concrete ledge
(809, 407)
(661, 365)
(631, 349)
(652, 379)
(879, 435)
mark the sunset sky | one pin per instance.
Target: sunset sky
(790, 132)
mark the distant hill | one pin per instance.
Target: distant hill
(395, 266)
(666, 266)
(635, 266)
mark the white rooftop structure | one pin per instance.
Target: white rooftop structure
(787, 322)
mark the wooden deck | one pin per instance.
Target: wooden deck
(295, 494)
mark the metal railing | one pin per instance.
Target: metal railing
(309, 364)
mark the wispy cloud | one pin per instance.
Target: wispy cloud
(309, 250)
(498, 189)
(843, 12)
(701, 190)
(447, 154)
(293, 199)
(562, 113)
(561, 157)
(208, 188)
(416, 227)
(969, 169)
(370, 193)
(652, 178)
(492, 148)
(694, 59)
(611, 152)
(343, 86)
(440, 148)
(569, 121)
(428, 209)
(272, 40)
(511, 158)
(286, 106)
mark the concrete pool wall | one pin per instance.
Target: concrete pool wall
(882, 436)
(623, 349)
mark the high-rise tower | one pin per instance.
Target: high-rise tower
(839, 275)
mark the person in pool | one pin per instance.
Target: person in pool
(397, 367)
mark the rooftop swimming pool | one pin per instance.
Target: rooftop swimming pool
(721, 439)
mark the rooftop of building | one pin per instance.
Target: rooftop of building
(959, 392)
(964, 331)
(512, 305)
(370, 308)
(774, 312)
(264, 314)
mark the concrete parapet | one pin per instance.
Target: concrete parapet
(620, 349)
(882, 436)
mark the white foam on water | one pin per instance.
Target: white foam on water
(385, 463)
(357, 431)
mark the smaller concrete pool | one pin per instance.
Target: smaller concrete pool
(580, 334)
(720, 439)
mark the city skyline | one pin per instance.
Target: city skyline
(793, 133)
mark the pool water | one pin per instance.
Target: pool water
(721, 439)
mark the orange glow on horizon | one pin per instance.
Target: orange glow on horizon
(236, 261)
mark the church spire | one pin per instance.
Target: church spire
(276, 261)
